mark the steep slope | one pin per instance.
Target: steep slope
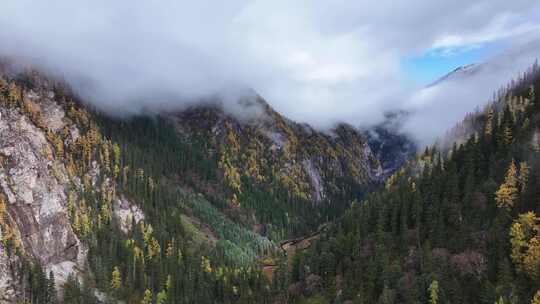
(455, 226)
(389, 144)
(34, 186)
(282, 170)
(75, 216)
(160, 206)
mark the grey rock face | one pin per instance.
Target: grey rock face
(127, 213)
(35, 185)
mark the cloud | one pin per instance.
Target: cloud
(315, 61)
(439, 107)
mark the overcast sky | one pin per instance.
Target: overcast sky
(314, 61)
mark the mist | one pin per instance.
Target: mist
(437, 108)
(316, 62)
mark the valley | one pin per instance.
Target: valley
(163, 203)
(205, 205)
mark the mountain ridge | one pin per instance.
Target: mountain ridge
(200, 182)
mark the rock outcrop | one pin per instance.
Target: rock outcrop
(35, 185)
(127, 213)
(267, 147)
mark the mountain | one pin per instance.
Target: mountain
(459, 73)
(279, 177)
(215, 205)
(178, 207)
(392, 147)
(456, 225)
(515, 60)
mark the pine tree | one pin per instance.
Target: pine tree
(524, 169)
(51, 289)
(72, 290)
(387, 296)
(507, 136)
(488, 129)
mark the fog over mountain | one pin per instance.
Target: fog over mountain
(437, 107)
(315, 61)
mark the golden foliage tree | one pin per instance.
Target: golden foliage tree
(147, 299)
(506, 195)
(116, 279)
(536, 298)
(434, 292)
(525, 241)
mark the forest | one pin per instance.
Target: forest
(458, 224)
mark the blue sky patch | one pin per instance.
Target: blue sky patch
(435, 63)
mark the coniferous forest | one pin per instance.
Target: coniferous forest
(217, 222)
(458, 225)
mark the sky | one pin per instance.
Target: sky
(319, 62)
(435, 63)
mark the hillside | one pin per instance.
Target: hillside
(164, 206)
(206, 206)
(454, 226)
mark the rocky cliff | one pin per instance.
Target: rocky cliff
(267, 147)
(39, 183)
(35, 184)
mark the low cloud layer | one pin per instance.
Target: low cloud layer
(439, 107)
(315, 61)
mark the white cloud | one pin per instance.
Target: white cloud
(315, 61)
(499, 29)
(439, 107)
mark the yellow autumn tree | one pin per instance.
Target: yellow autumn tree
(525, 241)
(434, 292)
(506, 195)
(2, 209)
(205, 264)
(105, 156)
(152, 245)
(147, 299)
(536, 298)
(161, 297)
(116, 279)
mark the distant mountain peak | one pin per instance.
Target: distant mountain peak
(458, 73)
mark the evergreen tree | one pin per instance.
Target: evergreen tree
(51, 289)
